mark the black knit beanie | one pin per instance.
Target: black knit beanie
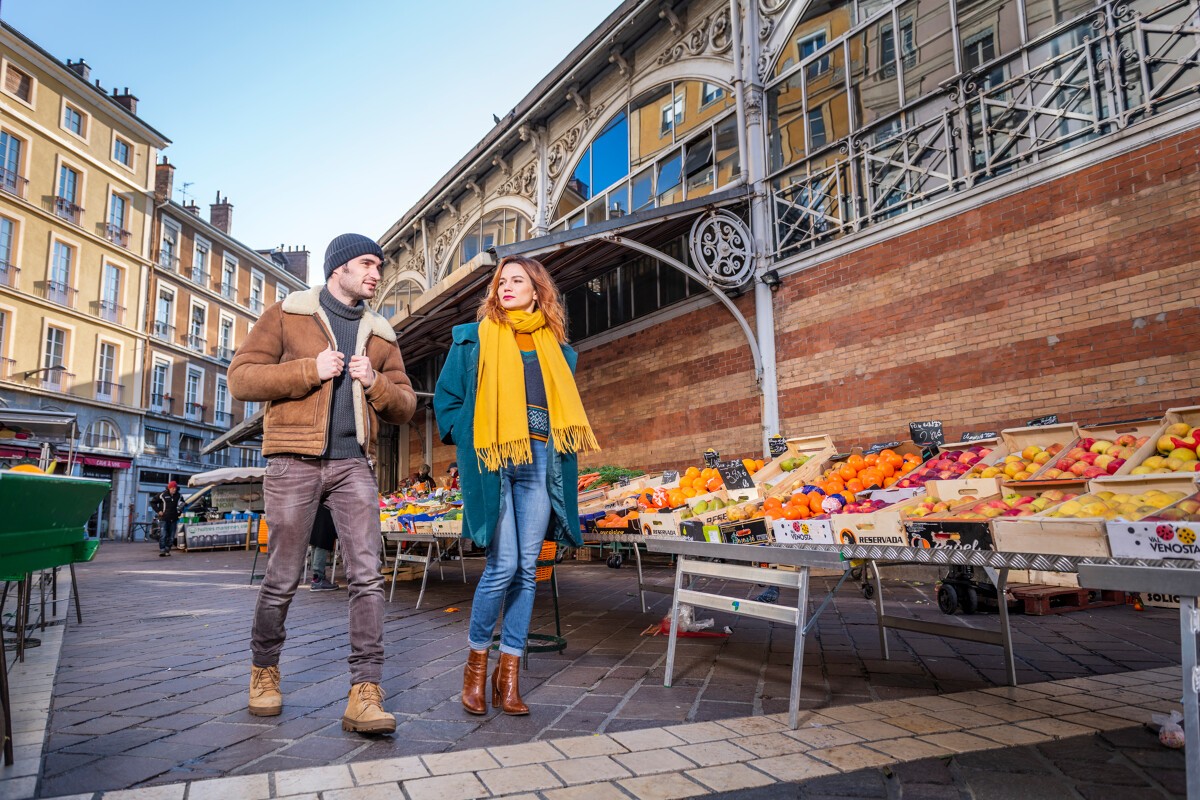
(346, 247)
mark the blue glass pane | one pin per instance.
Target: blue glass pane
(581, 179)
(610, 154)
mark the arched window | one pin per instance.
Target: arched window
(671, 143)
(102, 434)
(399, 296)
(502, 226)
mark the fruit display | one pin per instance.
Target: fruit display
(947, 465)
(1094, 458)
(928, 505)
(1019, 466)
(1012, 504)
(792, 464)
(695, 481)
(1186, 510)
(1115, 505)
(614, 520)
(1175, 451)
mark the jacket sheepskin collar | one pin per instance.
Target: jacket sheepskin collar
(308, 302)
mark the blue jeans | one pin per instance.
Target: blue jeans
(166, 539)
(508, 577)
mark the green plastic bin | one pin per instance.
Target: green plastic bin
(42, 521)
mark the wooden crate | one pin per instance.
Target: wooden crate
(1189, 415)
(819, 450)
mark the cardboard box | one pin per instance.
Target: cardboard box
(885, 526)
(893, 495)
(972, 534)
(671, 522)
(802, 531)
(1189, 415)
(956, 491)
(819, 450)
(751, 531)
(695, 529)
(1154, 540)
(448, 526)
(1109, 432)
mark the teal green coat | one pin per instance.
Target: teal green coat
(454, 407)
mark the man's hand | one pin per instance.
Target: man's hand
(362, 371)
(329, 363)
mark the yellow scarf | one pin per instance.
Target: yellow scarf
(501, 420)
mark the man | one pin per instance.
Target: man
(324, 536)
(330, 369)
(167, 505)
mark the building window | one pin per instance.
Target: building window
(168, 251)
(250, 408)
(54, 350)
(200, 262)
(810, 45)
(225, 342)
(19, 84)
(122, 152)
(158, 441)
(8, 253)
(110, 295)
(197, 327)
(229, 277)
(281, 292)
(193, 393)
(118, 210)
(189, 447)
(11, 180)
(159, 381)
(58, 285)
(65, 204)
(499, 227)
(74, 120)
(672, 115)
(164, 313)
(816, 129)
(256, 293)
(107, 387)
(221, 415)
(103, 435)
(711, 92)
(6, 364)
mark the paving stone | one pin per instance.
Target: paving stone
(465, 761)
(653, 762)
(907, 749)
(315, 779)
(824, 736)
(459, 786)
(508, 780)
(646, 739)
(243, 787)
(581, 746)
(380, 791)
(588, 770)
(595, 791)
(388, 771)
(662, 787)
(707, 754)
(729, 777)
(792, 767)
(850, 757)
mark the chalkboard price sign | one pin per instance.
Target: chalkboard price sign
(777, 445)
(879, 447)
(928, 432)
(734, 475)
(623, 481)
(1049, 419)
(670, 476)
(711, 457)
(975, 437)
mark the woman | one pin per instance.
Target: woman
(507, 400)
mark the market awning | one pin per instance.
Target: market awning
(227, 475)
(249, 428)
(572, 257)
(24, 423)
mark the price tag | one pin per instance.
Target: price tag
(777, 446)
(734, 475)
(1049, 419)
(623, 481)
(975, 437)
(670, 476)
(928, 432)
(879, 447)
(711, 457)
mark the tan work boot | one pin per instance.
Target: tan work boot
(265, 697)
(364, 711)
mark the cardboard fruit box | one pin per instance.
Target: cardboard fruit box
(976, 534)
(1018, 440)
(820, 451)
(1092, 461)
(883, 527)
(1186, 415)
(802, 531)
(1172, 532)
(670, 522)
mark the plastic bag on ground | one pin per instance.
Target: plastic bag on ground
(1170, 732)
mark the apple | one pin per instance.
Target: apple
(1042, 457)
(1100, 446)
(1029, 452)
(1055, 449)
(1089, 458)
(1179, 429)
(1125, 439)
(1103, 460)
(1024, 500)
(1115, 465)
(1080, 467)
(1165, 444)
(1023, 475)
(1052, 474)
(1065, 463)
(1086, 443)
(1141, 440)
(1076, 453)
(1094, 472)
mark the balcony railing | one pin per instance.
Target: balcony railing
(163, 331)
(189, 455)
(68, 210)
(167, 260)
(225, 354)
(229, 290)
(60, 293)
(158, 448)
(56, 379)
(6, 368)
(193, 411)
(222, 418)
(9, 274)
(109, 391)
(12, 183)
(200, 276)
(111, 312)
(219, 458)
(116, 234)
(256, 305)
(161, 403)
(197, 343)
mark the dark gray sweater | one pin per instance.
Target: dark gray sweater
(343, 437)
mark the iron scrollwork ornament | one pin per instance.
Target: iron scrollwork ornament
(721, 249)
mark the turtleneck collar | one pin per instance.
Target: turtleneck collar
(335, 306)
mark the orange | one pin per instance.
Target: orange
(870, 477)
(887, 469)
(689, 492)
(889, 482)
(791, 512)
(908, 467)
(691, 472)
(748, 463)
(912, 457)
(759, 464)
(855, 485)
(871, 459)
(676, 497)
(713, 484)
(856, 461)
(814, 502)
(888, 453)
(895, 459)
(847, 472)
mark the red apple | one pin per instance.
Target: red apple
(1086, 443)
(1079, 467)
(1066, 463)
(1093, 472)
(1126, 439)
(1089, 458)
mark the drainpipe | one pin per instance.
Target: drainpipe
(751, 146)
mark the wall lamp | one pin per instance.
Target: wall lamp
(771, 279)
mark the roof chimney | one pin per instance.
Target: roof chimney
(192, 208)
(80, 68)
(297, 262)
(164, 180)
(126, 99)
(220, 214)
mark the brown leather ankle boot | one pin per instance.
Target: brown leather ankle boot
(474, 691)
(506, 694)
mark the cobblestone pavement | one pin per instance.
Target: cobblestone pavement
(151, 689)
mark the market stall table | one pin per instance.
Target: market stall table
(633, 540)
(434, 550)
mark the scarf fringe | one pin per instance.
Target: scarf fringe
(575, 439)
(496, 456)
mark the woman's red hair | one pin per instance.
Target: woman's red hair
(548, 298)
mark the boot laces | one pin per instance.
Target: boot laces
(371, 694)
(266, 678)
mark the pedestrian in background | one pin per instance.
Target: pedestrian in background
(167, 505)
(331, 372)
(507, 400)
(322, 541)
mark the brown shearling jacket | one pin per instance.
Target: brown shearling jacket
(277, 364)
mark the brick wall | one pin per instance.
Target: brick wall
(1080, 297)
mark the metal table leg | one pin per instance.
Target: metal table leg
(883, 642)
(1189, 627)
(674, 623)
(798, 648)
(637, 557)
(999, 579)
(5, 703)
(462, 561)
(425, 570)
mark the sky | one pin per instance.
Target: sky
(313, 118)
